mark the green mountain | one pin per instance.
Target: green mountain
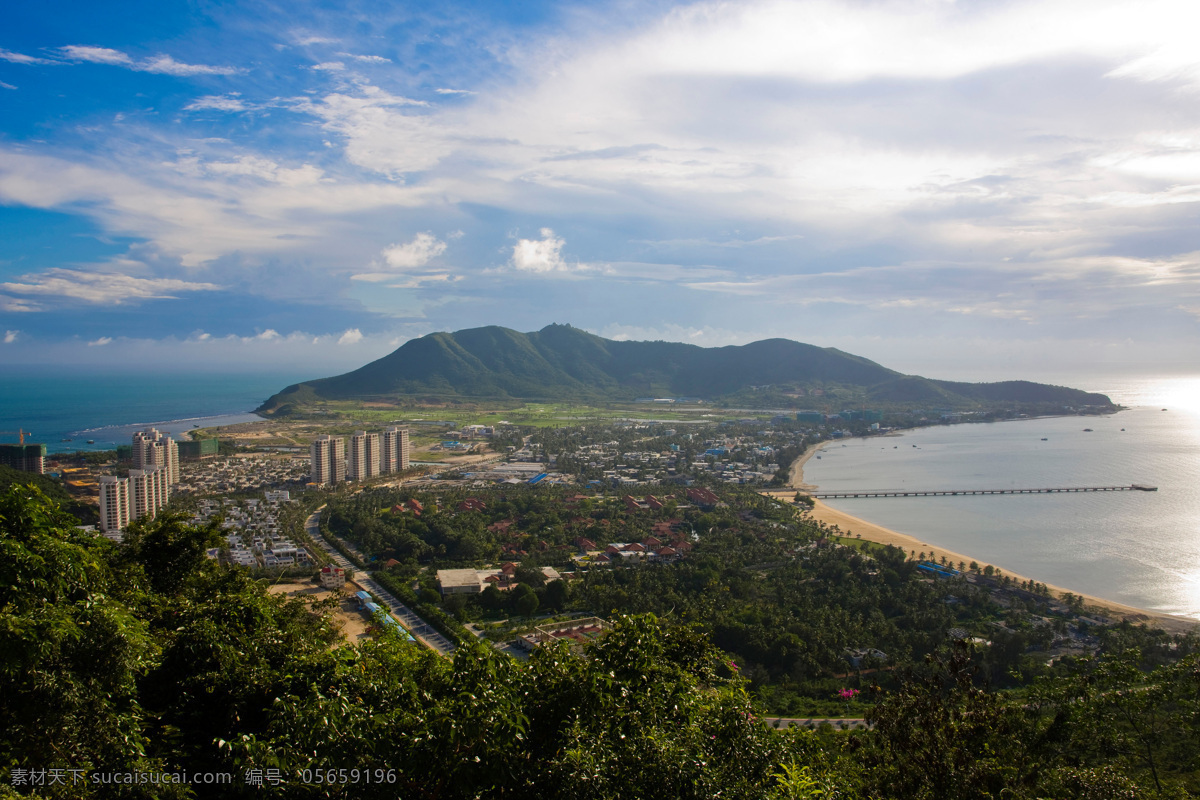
(564, 363)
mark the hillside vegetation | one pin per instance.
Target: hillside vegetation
(146, 657)
(560, 362)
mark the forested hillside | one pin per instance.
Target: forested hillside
(561, 362)
(146, 657)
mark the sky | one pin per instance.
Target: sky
(971, 190)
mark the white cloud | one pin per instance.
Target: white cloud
(99, 287)
(160, 64)
(225, 102)
(18, 305)
(352, 336)
(97, 55)
(103, 340)
(541, 255)
(330, 66)
(377, 134)
(267, 170)
(7, 86)
(305, 41)
(165, 65)
(454, 91)
(367, 59)
(21, 58)
(10, 336)
(420, 251)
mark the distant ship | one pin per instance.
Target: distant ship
(91, 441)
(64, 440)
(1044, 439)
(1087, 430)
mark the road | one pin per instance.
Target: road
(422, 631)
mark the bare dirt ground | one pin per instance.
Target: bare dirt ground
(347, 618)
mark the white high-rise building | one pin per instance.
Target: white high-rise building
(394, 455)
(123, 500)
(153, 449)
(149, 490)
(328, 455)
(114, 503)
(362, 462)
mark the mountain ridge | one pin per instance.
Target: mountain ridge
(561, 362)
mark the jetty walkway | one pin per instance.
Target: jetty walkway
(1133, 487)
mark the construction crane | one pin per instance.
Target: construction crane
(20, 433)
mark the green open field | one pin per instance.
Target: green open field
(515, 413)
(428, 423)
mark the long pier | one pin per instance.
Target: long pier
(1134, 487)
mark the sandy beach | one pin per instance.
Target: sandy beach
(854, 526)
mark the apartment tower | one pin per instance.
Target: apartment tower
(328, 455)
(123, 500)
(114, 503)
(394, 456)
(363, 459)
(153, 449)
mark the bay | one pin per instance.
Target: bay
(107, 408)
(1137, 548)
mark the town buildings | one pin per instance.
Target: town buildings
(25, 457)
(152, 449)
(141, 494)
(328, 454)
(394, 457)
(364, 459)
(370, 455)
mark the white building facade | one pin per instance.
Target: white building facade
(142, 494)
(152, 449)
(328, 454)
(394, 455)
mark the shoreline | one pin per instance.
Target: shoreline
(869, 531)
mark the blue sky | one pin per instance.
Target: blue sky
(961, 189)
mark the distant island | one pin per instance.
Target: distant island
(561, 362)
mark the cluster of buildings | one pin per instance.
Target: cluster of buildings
(147, 488)
(24, 457)
(241, 473)
(474, 581)
(252, 534)
(369, 455)
(736, 460)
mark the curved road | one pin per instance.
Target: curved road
(421, 630)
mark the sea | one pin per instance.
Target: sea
(66, 410)
(1133, 547)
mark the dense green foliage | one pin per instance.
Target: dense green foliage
(146, 656)
(561, 362)
(49, 486)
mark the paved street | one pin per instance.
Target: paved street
(419, 628)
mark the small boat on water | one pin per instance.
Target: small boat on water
(1044, 439)
(195, 426)
(64, 440)
(1087, 430)
(91, 441)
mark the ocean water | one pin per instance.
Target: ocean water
(1138, 548)
(108, 408)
